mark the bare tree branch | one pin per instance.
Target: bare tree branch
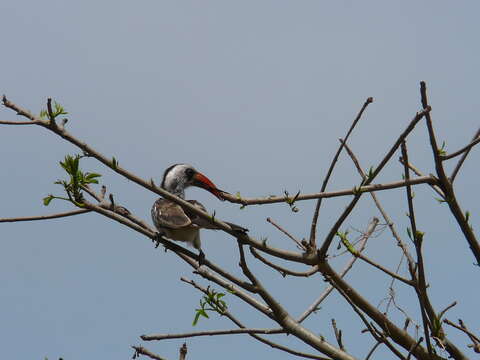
(255, 336)
(328, 240)
(18, 122)
(475, 339)
(377, 335)
(363, 243)
(332, 194)
(338, 335)
(299, 244)
(417, 238)
(45, 217)
(329, 173)
(461, 151)
(446, 184)
(419, 173)
(282, 270)
(211, 333)
(400, 336)
(391, 225)
(380, 267)
(286, 321)
(462, 159)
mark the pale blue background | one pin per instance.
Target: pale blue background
(255, 94)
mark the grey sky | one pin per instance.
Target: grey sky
(255, 94)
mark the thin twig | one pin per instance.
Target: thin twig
(211, 333)
(284, 271)
(400, 336)
(441, 313)
(462, 159)
(370, 353)
(299, 244)
(363, 243)
(414, 347)
(247, 298)
(183, 352)
(377, 335)
(46, 217)
(417, 238)
(329, 173)
(385, 216)
(461, 151)
(332, 194)
(417, 172)
(18, 122)
(446, 183)
(338, 334)
(463, 328)
(333, 231)
(382, 268)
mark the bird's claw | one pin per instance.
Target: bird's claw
(157, 238)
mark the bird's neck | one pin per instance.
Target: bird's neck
(179, 192)
(176, 190)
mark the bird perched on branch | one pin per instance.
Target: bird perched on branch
(176, 222)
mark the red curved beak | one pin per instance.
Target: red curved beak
(202, 181)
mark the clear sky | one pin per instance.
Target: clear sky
(255, 94)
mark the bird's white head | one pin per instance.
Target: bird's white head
(178, 177)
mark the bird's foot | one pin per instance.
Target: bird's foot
(157, 238)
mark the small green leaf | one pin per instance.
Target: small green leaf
(90, 178)
(467, 216)
(114, 163)
(47, 199)
(370, 172)
(59, 110)
(43, 114)
(442, 150)
(195, 319)
(204, 313)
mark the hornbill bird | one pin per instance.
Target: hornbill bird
(176, 222)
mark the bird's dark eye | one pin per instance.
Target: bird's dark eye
(189, 172)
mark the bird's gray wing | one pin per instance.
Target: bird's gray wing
(197, 220)
(167, 214)
(207, 224)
